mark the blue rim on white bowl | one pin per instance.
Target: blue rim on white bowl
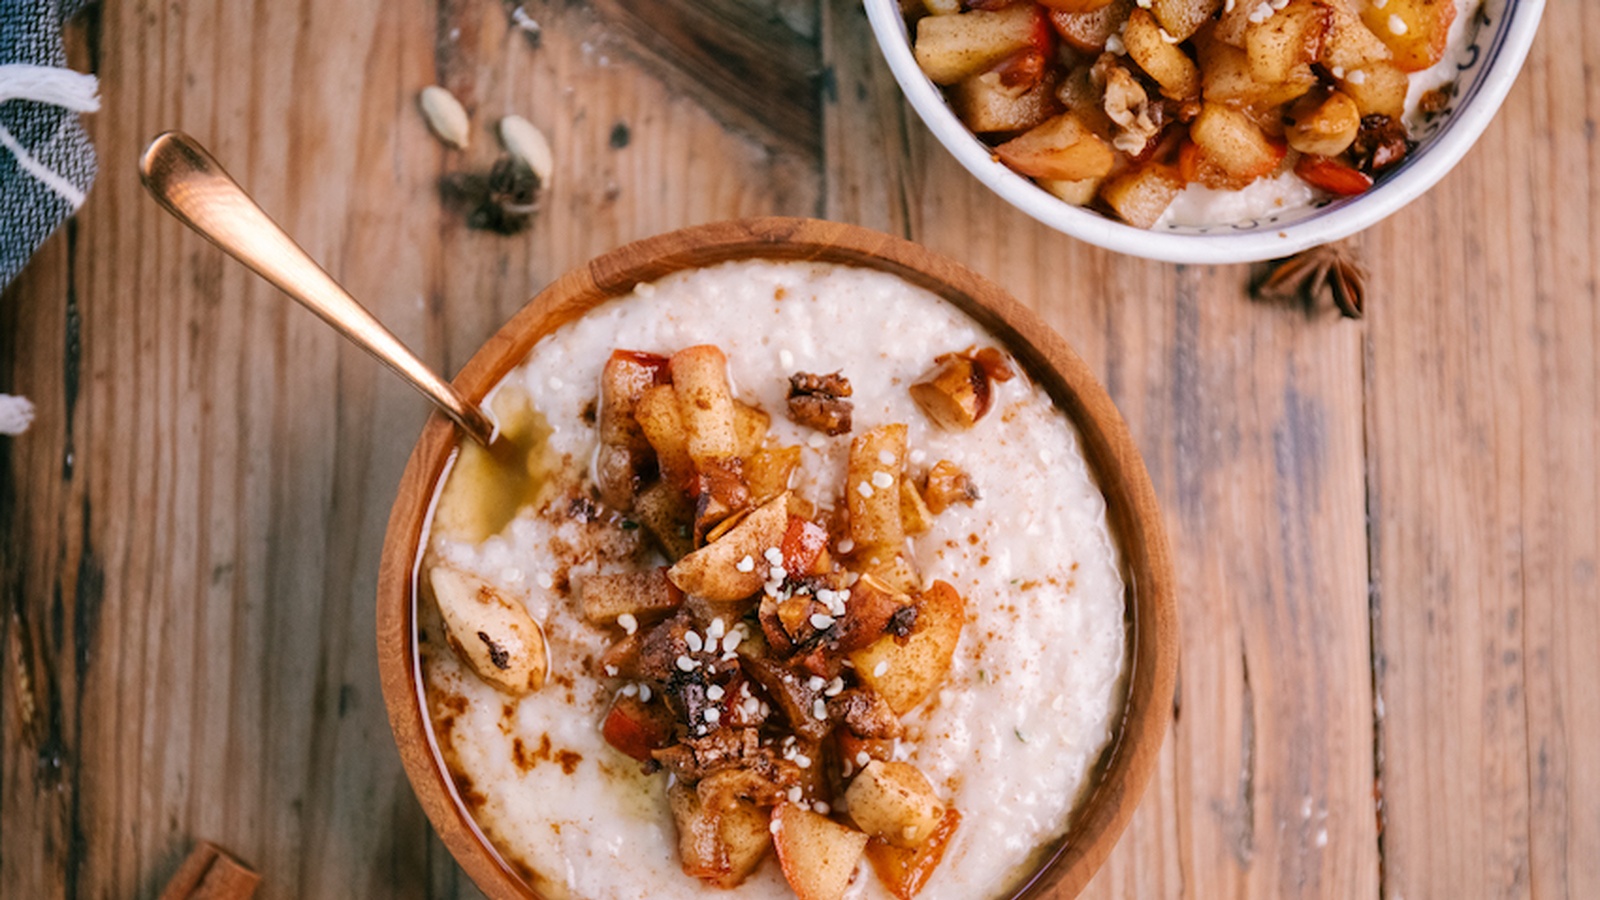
(1488, 66)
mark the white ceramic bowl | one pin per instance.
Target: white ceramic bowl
(1496, 45)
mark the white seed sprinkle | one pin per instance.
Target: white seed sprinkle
(1357, 78)
(630, 690)
(716, 631)
(885, 457)
(713, 716)
(882, 480)
(820, 621)
(822, 809)
(909, 832)
(775, 827)
(795, 794)
(685, 664)
(773, 556)
(1397, 25)
(700, 730)
(817, 441)
(864, 489)
(628, 622)
(835, 687)
(802, 760)
(747, 564)
(694, 642)
(715, 692)
(819, 710)
(845, 545)
(644, 693)
(545, 581)
(1114, 45)
(815, 683)
(731, 642)
(881, 668)
(612, 671)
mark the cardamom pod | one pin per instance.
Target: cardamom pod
(445, 116)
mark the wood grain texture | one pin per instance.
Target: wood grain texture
(189, 536)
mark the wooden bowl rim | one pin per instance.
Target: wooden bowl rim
(1128, 763)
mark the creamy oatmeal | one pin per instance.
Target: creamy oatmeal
(1011, 734)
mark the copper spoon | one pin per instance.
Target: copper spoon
(192, 185)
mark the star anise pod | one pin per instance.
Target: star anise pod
(1321, 275)
(503, 200)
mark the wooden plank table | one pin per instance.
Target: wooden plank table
(1386, 532)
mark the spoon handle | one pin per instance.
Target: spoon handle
(193, 186)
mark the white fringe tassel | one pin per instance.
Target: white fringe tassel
(16, 414)
(57, 87)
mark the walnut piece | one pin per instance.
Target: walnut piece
(816, 401)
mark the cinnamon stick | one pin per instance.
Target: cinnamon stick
(209, 873)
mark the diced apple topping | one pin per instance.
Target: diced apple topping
(894, 801)
(1101, 119)
(817, 854)
(767, 665)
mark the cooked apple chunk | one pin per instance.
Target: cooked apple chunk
(1231, 140)
(1286, 41)
(1062, 148)
(987, 105)
(1140, 196)
(904, 671)
(950, 48)
(1159, 58)
(733, 567)
(1416, 31)
(640, 595)
(906, 872)
(720, 843)
(818, 855)
(492, 632)
(894, 801)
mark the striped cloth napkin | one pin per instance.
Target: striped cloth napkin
(46, 162)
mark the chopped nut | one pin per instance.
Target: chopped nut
(816, 401)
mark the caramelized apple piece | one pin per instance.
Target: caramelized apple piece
(1416, 31)
(904, 671)
(623, 447)
(818, 855)
(642, 595)
(905, 872)
(950, 48)
(635, 728)
(1140, 196)
(720, 844)
(894, 801)
(1231, 140)
(734, 566)
(1089, 30)
(948, 483)
(1182, 18)
(1061, 148)
(1159, 58)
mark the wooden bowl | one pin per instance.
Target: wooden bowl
(1131, 506)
